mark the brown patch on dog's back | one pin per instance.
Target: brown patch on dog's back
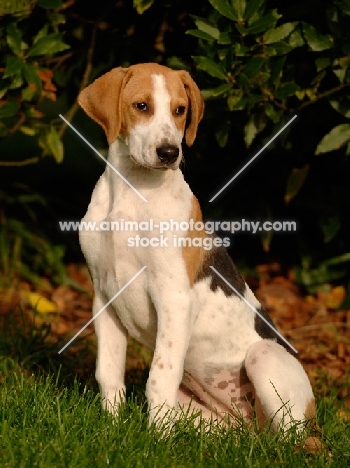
(194, 256)
(310, 411)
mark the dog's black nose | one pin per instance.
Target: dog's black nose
(167, 153)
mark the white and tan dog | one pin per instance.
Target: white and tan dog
(210, 348)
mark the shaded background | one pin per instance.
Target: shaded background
(288, 181)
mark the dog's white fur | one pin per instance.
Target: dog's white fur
(208, 348)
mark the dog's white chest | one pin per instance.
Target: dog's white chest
(119, 250)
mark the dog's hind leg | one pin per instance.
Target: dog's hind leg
(282, 388)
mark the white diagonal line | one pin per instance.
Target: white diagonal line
(254, 309)
(104, 159)
(103, 308)
(257, 154)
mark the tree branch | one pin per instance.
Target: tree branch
(322, 96)
(25, 162)
(84, 82)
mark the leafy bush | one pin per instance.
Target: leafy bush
(258, 63)
(29, 44)
(25, 252)
(252, 54)
(262, 65)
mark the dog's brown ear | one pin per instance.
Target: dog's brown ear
(197, 107)
(102, 101)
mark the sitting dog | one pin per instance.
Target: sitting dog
(212, 352)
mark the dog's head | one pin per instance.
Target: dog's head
(151, 106)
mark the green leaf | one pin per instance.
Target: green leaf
(33, 112)
(225, 38)
(318, 78)
(20, 8)
(28, 94)
(252, 8)
(330, 227)
(222, 134)
(173, 62)
(343, 107)
(47, 45)
(215, 92)
(243, 31)
(286, 90)
(205, 26)
(32, 77)
(322, 63)
(17, 81)
(240, 7)
(250, 132)
(42, 33)
(13, 66)
(264, 23)
(317, 276)
(243, 81)
(56, 19)
(335, 139)
(339, 259)
(270, 51)
(253, 66)
(30, 131)
(276, 72)
(209, 66)
(344, 62)
(234, 98)
(254, 126)
(344, 6)
(240, 50)
(295, 181)
(317, 41)
(296, 39)
(14, 39)
(225, 9)
(280, 33)
(199, 34)
(272, 113)
(50, 3)
(252, 100)
(55, 144)
(340, 74)
(142, 5)
(3, 91)
(9, 109)
(279, 48)
(222, 54)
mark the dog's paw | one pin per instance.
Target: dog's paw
(163, 418)
(112, 404)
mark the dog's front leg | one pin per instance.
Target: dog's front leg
(111, 355)
(174, 329)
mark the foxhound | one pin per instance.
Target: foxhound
(212, 352)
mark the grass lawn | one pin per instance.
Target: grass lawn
(50, 420)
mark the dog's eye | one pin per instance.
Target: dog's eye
(141, 106)
(180, 110)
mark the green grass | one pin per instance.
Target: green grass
(44, 425)
(47, 420)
